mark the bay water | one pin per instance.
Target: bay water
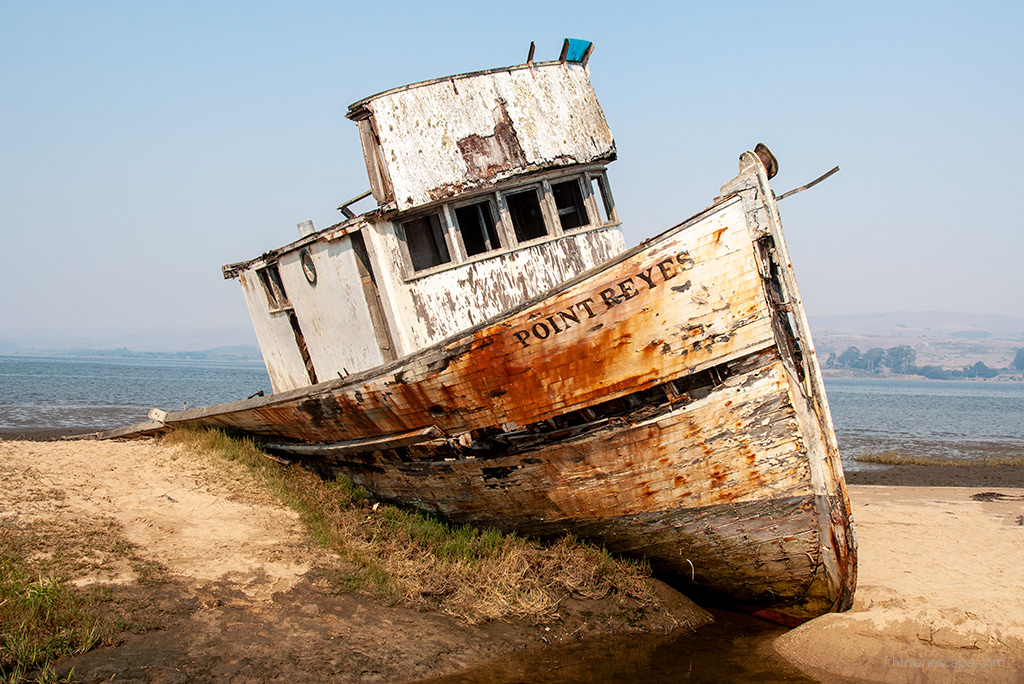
(69, 395)
(938, 418)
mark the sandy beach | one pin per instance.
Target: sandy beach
(939, 590)
(242, 589)
(217, 579)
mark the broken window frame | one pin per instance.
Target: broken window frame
(542, 195)
(438, 238)
(601, 201)
(376, 168)
(497, 242)
(273, 287)
(599, 207)
(580, 205)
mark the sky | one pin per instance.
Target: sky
(144, 145)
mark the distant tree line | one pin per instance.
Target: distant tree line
(902, 360)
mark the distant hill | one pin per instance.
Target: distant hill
(944, 339)
(218, 342)
(924, 324)
(229, 353)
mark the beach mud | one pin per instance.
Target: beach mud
(939, 476)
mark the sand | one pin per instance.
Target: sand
(242, 591)
(939, 596)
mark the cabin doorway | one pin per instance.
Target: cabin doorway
(373, 302)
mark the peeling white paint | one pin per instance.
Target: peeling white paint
(552, 108)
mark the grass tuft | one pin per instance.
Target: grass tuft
(41, 620)
(405, 556)
(893, 457)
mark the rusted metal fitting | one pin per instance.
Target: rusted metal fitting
(771, 164)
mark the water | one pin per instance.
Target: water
(73, 394)
(735, 648)
(968, 420)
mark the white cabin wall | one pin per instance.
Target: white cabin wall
(383, 248)
(443, 138)
(453, 300)
(333, 314)
(386, 255)
(274, 334)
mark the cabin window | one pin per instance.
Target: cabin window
(425, 240)
(527, 217)
(603, 198)
(273, 287)
(569, 203)
(476, 225)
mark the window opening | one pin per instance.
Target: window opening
(424, 238)
(569, 202)
(603, 207)
(381, 329)
(476, 224)
(270, 278)
(527, 218)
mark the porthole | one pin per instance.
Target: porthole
(308, 267)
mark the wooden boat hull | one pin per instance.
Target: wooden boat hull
(667, 404)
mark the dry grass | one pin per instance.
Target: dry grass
(893, 457)
(407, 557)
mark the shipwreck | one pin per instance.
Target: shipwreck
(482, 345)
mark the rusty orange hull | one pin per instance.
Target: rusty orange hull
(667, 404)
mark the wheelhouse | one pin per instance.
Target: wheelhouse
(491, 188)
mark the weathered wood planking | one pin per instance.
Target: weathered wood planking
(442, 137)
(651, 489)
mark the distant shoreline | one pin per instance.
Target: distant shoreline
(939, 476)
(247, 355)
(845, 374)
(43, 434)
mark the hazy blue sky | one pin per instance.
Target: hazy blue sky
(145, 144)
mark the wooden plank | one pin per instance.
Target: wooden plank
(357, 445)
(148, 428)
